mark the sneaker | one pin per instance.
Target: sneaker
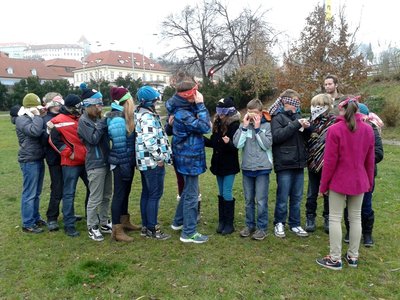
(346, 238)
(95, 234)
(326, 224)
(40, 223)
(176, 227)
(245, 232)
(299, 231)
(33, 229)
(329, 263)
(351, 261)
(156, 233)
(259, 235)
(53, 226)
(196, 238)
(71, 231)
(310, 225)
(106, 228)
(178, 198)
(143, 231)
(279, 230)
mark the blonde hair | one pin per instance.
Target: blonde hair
(322, 100)
(255, 104)
(128, 115)
(290, 94)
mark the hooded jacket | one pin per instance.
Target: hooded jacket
(191, 121)
(29, 131)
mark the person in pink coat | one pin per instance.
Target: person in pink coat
(347, 174)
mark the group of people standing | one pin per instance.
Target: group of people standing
(78, 141)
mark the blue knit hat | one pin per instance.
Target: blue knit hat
(94, 96)
(363, 109)
(147, 96)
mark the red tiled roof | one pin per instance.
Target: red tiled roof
(62, 62)
(120, 59)
(22, 68)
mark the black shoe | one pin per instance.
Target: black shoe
(78, 218)
(368, 240)
(310, 224)
(40, 223)
(346, 238)
(33, 229)
(71, 231)
(326, 225)
(52, 226)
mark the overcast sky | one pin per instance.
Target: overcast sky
(130, 25)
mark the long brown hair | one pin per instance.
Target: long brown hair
(128, 115)
(93, 112)
(349, 115)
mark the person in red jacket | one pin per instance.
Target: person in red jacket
(348, 172)
(64, 139)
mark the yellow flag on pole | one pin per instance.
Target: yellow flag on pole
(328, 10)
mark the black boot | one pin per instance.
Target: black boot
(221, 216)
(367, 226)
(310, 223)
(326, 224)
(229, 214)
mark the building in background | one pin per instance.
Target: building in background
(14, 50)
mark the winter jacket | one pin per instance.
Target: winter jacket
(53, 158)
(315, 141)
(29, 131)
(349, 158)
(122, 152)
(64, 139)
(256, 146)
(152, 144)
(225, 157)
(95, 138)
(288, 148)
(378, 147)
(191, 121)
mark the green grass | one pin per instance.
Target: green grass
(54, 266)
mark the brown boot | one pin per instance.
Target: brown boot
(126, 223)
(118, 234)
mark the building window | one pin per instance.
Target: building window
(158, 77)
(151, 77)
(34, 72)
(120, 74)
(112, 74)
(165, 78)
(10, 70)
(81, 77)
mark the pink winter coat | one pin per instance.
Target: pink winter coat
(349, 158)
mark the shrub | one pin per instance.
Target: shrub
(375, 103)
(391, 112)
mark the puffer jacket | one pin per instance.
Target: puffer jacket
(64, 139)
(191, 121)
(95, 137)
(122, 152)
(53, 158)
(29, 131)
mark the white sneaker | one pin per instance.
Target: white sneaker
(279, 230)
(106, 228)
(95, 234)
(176, 227)
(178, 198)
(299, 231)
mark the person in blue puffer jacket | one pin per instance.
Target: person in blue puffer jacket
(191, 120)
(122, 160)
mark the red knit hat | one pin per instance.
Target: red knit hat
(119, 94)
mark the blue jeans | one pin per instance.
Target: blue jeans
(256, 189)
(314, 180)
(290, 185)
(152, 190)
(33, 174)
(71, 175)
(186, 211)
(225, 186)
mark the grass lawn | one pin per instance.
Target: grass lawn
(54, 266)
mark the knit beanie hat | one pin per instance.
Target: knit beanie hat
(31, 100)
(119, 94)
(89, 93)
(72, 100)
(363, 109)
(147, 95)
(52, 99)
(226, 106)
(185, 86)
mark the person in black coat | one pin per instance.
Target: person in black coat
(225, 160)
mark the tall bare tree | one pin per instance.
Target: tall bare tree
(209, 37)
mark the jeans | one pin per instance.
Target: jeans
(33, 174)
(120, 200)
(290, 185)
(56, 192)
(256, 189)
(312, 195)
(70, 176)
(100, 186)
(337, 203)
(225, 186)
(152, 190)
(186, 211)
